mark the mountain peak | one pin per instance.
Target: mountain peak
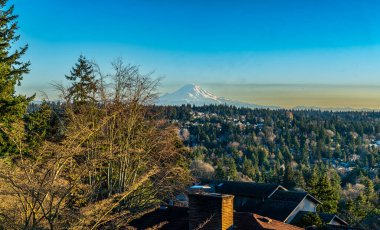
(195, 95)
(189, 94)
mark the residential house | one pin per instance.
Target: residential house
(207, 211)
(271, 200)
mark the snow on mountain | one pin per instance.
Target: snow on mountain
(195, 95)
(189, 94)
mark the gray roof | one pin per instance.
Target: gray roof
(248, 189)
(294, 196)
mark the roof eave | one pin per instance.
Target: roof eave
(313, 198)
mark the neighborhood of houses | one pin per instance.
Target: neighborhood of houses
(223, 205)
(342, 166)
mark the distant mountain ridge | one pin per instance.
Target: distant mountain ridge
(195, 95)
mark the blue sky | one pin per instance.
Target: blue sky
(207, 42)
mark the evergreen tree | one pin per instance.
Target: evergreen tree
(38, 126)
(220, 173)
(369, 190)
(327, 195)
(289, 178)
(84, 84)
(299, 179)
(313, 180)
(361, 209)
(248, 168)
(232, 173)
(12, 70)
(305, 155)
(310, 219)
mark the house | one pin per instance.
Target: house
(238, 205)
(207, 211)
(329, 219)
(271, 200)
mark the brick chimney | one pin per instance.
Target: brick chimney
(211, 211)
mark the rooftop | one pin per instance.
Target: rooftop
(171, 218)
(249, 189)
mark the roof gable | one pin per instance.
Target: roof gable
(248, 189)
(326, 218)
(275, 209)
(329, 218)
(294, 196)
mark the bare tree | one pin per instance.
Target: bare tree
(113, 161)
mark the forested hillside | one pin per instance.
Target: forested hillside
(333, 155)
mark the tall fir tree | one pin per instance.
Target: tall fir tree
(326, 193)
(220, 173)
(12, 69)
(312, 181)
(289, 178)
(84, 84)
(38, 126)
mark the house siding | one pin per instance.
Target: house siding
(305, 205)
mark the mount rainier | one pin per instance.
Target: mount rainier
(195, 95)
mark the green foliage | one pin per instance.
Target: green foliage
(12, 69)
(296, 152)
(310, 219)
(363, 208)
(38, 126)
(289, 178)
(220, 173)
(248, 168)
(83, 83)
(326, 193)
(232, 173)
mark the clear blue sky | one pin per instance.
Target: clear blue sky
(207, 42)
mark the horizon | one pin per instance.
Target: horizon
(260, 95)
(330, 45)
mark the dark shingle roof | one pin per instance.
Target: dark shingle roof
(173, 218)
(275, 209)
(327, 218)
(249, 189)
(294, 196)
(270, 200)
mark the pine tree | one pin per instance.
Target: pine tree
(299, 179)
(289, 178)
(232, 173)
(248, 168)
(305, 155)
(361, 206)
(312, 182)
(220, 173)
(12, 70)
(38, 126)
(310, 219)
(369, 190)
(84, 84)
(327, 195)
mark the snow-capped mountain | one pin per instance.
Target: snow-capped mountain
(195, 95)
(189, 94)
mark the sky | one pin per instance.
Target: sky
(287, 53)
